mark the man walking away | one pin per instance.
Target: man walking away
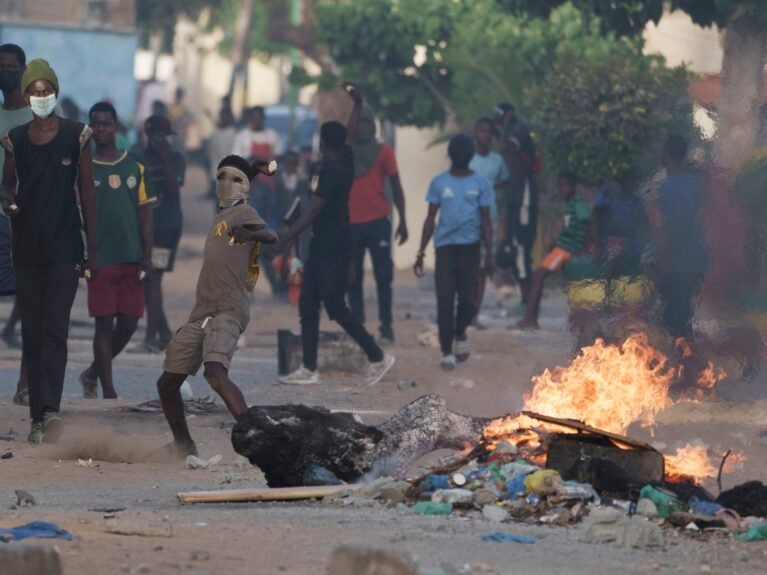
(374, 165)
(47, 162)
(165, 173)
(326, 272)
(124, 240)
(491, 165)
(521, 203)
(14, 112)
(464, 200)
(683, 260)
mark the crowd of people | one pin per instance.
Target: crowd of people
(78, 203)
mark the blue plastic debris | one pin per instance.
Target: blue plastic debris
(500, 537)
(38, 529)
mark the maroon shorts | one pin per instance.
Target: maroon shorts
(116, 290)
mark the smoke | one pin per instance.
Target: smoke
(103, 444)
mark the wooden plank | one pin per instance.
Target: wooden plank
(580, 426)
(264, 494)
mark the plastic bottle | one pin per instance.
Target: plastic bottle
(665, 501)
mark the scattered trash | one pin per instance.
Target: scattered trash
(7, 455)
(429, 338)
(756, 533)
(432, 508)
(613, 526)
(749, 498)
(194, 462)
(500, 537)
(543, 482)
(89, 463)
(494, 513)
(434, 482)
(457, 497)
(406, 384)
(107, 509)
(36, 529)
(200, 406)
(10, 436)
(647, 508)
(665, 501)
(24, 498)
(186, 391)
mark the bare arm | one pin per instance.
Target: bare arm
(398, 196)
(316, 203)
(88, 203)
(428, 231)
(352, 126)
(253, 233)
(8, 188)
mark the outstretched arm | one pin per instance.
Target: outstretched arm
(253, 233)
(352, 126)
(428, 231)
(398, 196)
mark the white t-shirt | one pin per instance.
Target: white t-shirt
(264, 144)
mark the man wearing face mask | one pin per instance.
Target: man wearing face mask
(222, 310)
(374, 165)
(47, 161)
(165, 173)
(14, 112)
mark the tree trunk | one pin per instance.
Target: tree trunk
(726, 225)
(241, 49)
(742, 91)
(285, 440)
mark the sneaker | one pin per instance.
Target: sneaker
(461, 349)
(448, 362)
(53, 427)
(377, 370)
(386, 335)
(35, 436)
(301, 376)
(89, 384)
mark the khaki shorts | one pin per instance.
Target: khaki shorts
(212, 339)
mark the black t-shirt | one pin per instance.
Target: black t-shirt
(331, 233)
(49, 225)
(167, 215)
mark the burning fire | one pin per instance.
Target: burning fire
(694, 462)
(609, 387)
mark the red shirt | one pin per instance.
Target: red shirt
(367, 199)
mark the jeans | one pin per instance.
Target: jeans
(456, 275)
(45, 294)
(325, 281)
(374, 237)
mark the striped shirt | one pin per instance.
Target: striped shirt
(573, 237)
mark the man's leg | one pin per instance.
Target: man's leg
(309, 311)
(356, 290)
(383, 270)
(29, 282)
(102, 355)
(468, 284)
(156, 323)
(446, 285)
(9, 331)
(534, 299)
(218, 378)
(169, 389)
(677, 293)
(334, 279)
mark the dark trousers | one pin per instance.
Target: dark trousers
(45, 294)
(325, 281)
(373, 237)
(456, 275)
(677, 292)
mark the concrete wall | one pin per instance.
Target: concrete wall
(681, 41)
(91, 65)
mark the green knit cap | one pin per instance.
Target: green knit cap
(39, 69)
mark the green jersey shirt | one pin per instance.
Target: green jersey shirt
(120, 191)
(573, 237)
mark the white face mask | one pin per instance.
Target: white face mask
(42, 107)
(232, 186)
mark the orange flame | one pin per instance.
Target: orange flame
(606, 386)
(693, 462)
